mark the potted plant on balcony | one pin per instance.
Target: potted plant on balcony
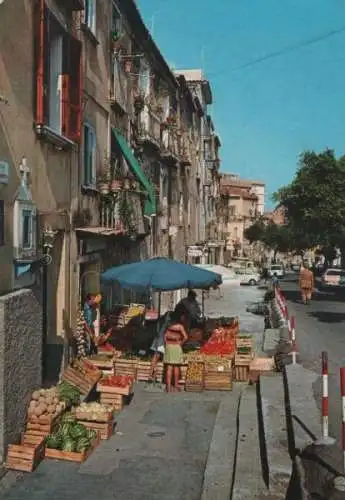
(104, 179)
(135, 185)
(127, 183)
(116, 183)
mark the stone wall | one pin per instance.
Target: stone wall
(20, 361)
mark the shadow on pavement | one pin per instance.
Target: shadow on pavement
(328, 317)
(295, 296)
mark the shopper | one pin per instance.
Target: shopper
(306, 283)
(190, 308)
(174, 337)
(90, 314)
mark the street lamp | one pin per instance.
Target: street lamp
(48, 237)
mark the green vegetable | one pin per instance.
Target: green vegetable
(68, 417)
(91, 434)
(82, 444)
(69, 445)
(54, 441)
(78, 431)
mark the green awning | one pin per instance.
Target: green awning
(150, 205)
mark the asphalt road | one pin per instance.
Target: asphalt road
(320, 326)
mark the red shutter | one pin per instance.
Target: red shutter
(42, 46)
(72, 89)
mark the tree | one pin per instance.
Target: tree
(273, 236)
(255, 232)
(314, 204)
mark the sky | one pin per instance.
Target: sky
(267, 110)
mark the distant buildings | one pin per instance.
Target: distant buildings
(241, 202)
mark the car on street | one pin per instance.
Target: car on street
(248, 277)
(276, 269)
(333, 278)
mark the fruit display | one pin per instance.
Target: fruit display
(195, 373)
(68, 393)
(71, 436)
(94, 412)
(222, 341)
(117, 381)
(45, 405)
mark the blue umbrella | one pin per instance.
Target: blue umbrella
(162, 275)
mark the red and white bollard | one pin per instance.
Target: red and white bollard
(326, 439)
(293, 340)
(342, 387)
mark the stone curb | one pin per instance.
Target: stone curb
(219, 468)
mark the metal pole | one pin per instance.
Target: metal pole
(203, 303)
(159, 310)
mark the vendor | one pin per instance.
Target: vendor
(92, 301)
(158, 343)
(191, 309)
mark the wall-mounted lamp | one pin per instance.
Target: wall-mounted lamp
(48, 237)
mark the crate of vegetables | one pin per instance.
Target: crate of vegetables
(82, 375)
(105, 429)
(26, 456)
(117, 384)
(244, 345)
(94, 412)
(195, 377)
(242, 363)
(72, 441)
(115, 401)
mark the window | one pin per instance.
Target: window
(2, 223)
(116, 20)
(90, 15)
(89, 157)
(144, 78)
(58, 82)
(26, 229)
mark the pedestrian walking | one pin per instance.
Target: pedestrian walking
(306, 283)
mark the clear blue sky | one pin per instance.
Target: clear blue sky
(266, 113)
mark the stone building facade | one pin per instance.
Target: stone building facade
(106, 155)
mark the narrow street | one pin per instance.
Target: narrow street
(162, 442)
(320, 327)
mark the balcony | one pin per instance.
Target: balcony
(186, 154)
(170, 145)
(121, 214)
(149, 128)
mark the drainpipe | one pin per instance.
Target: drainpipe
(44, 319)
(170, 246)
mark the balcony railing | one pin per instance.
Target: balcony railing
(121, 213)
(150, 128)
(186, 153)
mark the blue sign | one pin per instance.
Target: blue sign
(4, 172)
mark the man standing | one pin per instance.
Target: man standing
(190, 307)
(306, 283)
(90, 317)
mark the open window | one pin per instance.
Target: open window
(59, 78)
(89, 157)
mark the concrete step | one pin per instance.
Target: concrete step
(248, 481)
(272, 420)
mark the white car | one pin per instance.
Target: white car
(248, 278)
(276, 269)
(333, 278)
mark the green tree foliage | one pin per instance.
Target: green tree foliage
(314, 201)
(273, 236)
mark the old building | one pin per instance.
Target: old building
(206, 247)
(240, 205)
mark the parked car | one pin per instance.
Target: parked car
(276, 269)
(295, 267)
(248, 278)
(333, 277)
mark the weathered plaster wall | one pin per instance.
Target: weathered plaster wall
(20, 361)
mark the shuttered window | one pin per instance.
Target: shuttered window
(89, 174)
(59, 76)
(2, 223)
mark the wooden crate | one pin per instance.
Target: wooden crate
(84, 384)
(218, 380)
(105, 429)
(124, 391)
(242, 363)
(184, 369)
(260, 366)
(72, 456)
(126, 367)
(195, 385)
(26, 456)
(115, 401)
(43, 429)
(81, 415)
(144, 370)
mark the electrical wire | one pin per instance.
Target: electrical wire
(283, 51)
